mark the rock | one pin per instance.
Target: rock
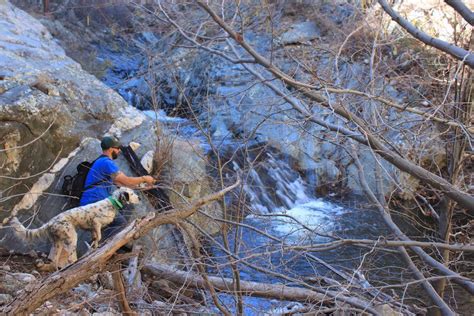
(85, 290)
(186, 173)
(134, 145)
(327, 171)
(65, 312)
(11, 283)
(149, 37)
(300, 33)
(5, 299)
(147, 161)
(46, 101)
(386, 310)
(219, 128)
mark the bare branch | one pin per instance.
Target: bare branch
(426, 115)
(464, 282)
(277, 291)
(465, 200)
(444, 308)
(462, 9)
(455, 51)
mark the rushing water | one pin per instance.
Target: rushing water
(283, 205)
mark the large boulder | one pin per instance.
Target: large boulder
(47, 103)
(53, 115)
(187, 175)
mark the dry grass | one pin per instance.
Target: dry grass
(163, 152)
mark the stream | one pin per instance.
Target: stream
(279, 201)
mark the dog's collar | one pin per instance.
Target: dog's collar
(116, 203)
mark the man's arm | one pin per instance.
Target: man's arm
(121, 179)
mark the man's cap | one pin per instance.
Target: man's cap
(109, 142)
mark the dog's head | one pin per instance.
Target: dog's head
(126, 196)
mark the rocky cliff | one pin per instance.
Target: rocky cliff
(52, 113)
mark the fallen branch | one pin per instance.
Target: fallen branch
(257, 289)
(120, 288)
(382, 243)
(59, 282)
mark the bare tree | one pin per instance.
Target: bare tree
(364, 133)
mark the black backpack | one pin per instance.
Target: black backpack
(73, 186)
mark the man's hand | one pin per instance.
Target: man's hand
(148, 180)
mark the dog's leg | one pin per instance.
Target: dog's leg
(70, 245)
(63, 258)
(54, 256)
(96, 234)
(55, 251)
(93, 234)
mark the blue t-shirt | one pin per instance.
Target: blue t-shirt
(102, 170)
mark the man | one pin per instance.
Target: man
(103, 174)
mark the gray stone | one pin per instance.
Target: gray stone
(300, 33)
(46, 101)
(11, 283)
(5, 299)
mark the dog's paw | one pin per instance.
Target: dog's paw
(45, 267)
(95, 244)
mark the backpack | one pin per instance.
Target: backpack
(73, 186)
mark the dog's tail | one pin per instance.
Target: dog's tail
(29, 234)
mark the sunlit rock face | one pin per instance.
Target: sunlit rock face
(47, 102)
(53, 115)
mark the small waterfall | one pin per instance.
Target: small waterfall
(271, 186)
(275, 187)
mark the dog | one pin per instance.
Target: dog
(61, 229)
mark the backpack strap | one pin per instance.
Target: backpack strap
(90, 186)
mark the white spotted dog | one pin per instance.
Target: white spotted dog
(61, 229)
